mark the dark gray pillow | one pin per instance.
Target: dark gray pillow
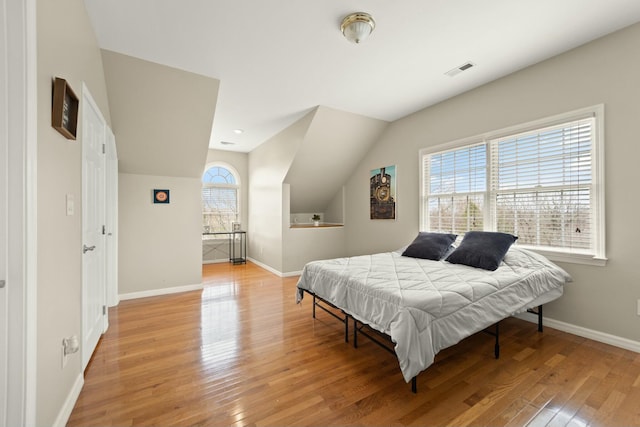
(433, 246)
(482, 249)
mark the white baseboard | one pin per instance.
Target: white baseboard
(163, 291)
(602, 337)
(70, 402)
(292, 273)
(273, 270)
(266, 267)
(215, 261)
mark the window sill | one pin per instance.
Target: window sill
(555, 256)
(323, 225)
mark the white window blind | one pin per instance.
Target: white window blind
(541, 181)
(456, 181)
(220, 207)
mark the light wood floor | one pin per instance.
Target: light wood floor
(241, 352)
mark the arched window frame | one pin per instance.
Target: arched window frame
(237, 186)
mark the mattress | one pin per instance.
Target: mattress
(426, 306)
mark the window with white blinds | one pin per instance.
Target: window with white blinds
(220, 207)
(457, 182)
(541, 181)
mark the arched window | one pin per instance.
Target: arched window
(220, 198)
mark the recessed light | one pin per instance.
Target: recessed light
(238, 131)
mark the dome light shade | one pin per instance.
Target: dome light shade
(357, 26)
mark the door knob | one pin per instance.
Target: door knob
(86, 248)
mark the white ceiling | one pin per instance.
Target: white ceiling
(278, 59)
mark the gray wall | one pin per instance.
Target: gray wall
(268, 166)
(159, 244)
(301, 170)
(162, 116)
(67, 48)
(162, 120)
(603, 71)
(301, 245)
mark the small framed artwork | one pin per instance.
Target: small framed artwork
(64, 109)
(383, 193)
(161, 196)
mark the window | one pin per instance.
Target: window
(541, 181)
(220, 207)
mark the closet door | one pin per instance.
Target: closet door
(94, 305)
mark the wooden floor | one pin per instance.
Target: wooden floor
(242, 352)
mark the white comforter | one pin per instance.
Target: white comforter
(426, 306)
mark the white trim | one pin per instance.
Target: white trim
(162, 291)
(215, 261)
(273, 270)
(266, 267)
(20, 65)
(225, 165)
(292, 273)
(558, 256)
(580, 331)
(69, 402)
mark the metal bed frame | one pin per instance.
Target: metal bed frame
(369, 332)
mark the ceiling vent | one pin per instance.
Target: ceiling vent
(461, 68)
(227, 143)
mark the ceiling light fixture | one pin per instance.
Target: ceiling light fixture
(238, 131)
(357, 26)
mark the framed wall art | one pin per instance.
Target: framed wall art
(383, 193)
(161, 196)
(64, 109)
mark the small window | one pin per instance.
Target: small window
(220, 199)
(541, 181)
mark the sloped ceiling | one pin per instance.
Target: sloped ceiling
(278, 59)
(333, 146)
(161, 116)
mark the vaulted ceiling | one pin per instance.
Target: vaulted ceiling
(277, 60)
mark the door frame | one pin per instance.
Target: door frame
(20, 83)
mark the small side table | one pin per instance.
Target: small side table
(238, 247)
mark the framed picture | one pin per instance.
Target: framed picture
(64, 109)
(383, 193)
(161, 196)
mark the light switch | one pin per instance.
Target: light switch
(70, 205)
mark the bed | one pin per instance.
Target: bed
(426, 305)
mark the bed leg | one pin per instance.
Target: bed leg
(355, 333)
(414, 385)
(314, 306)
(540, 318)
(496, 348)
(346, 327)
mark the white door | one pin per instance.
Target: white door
(93, 226)
(112, 220)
